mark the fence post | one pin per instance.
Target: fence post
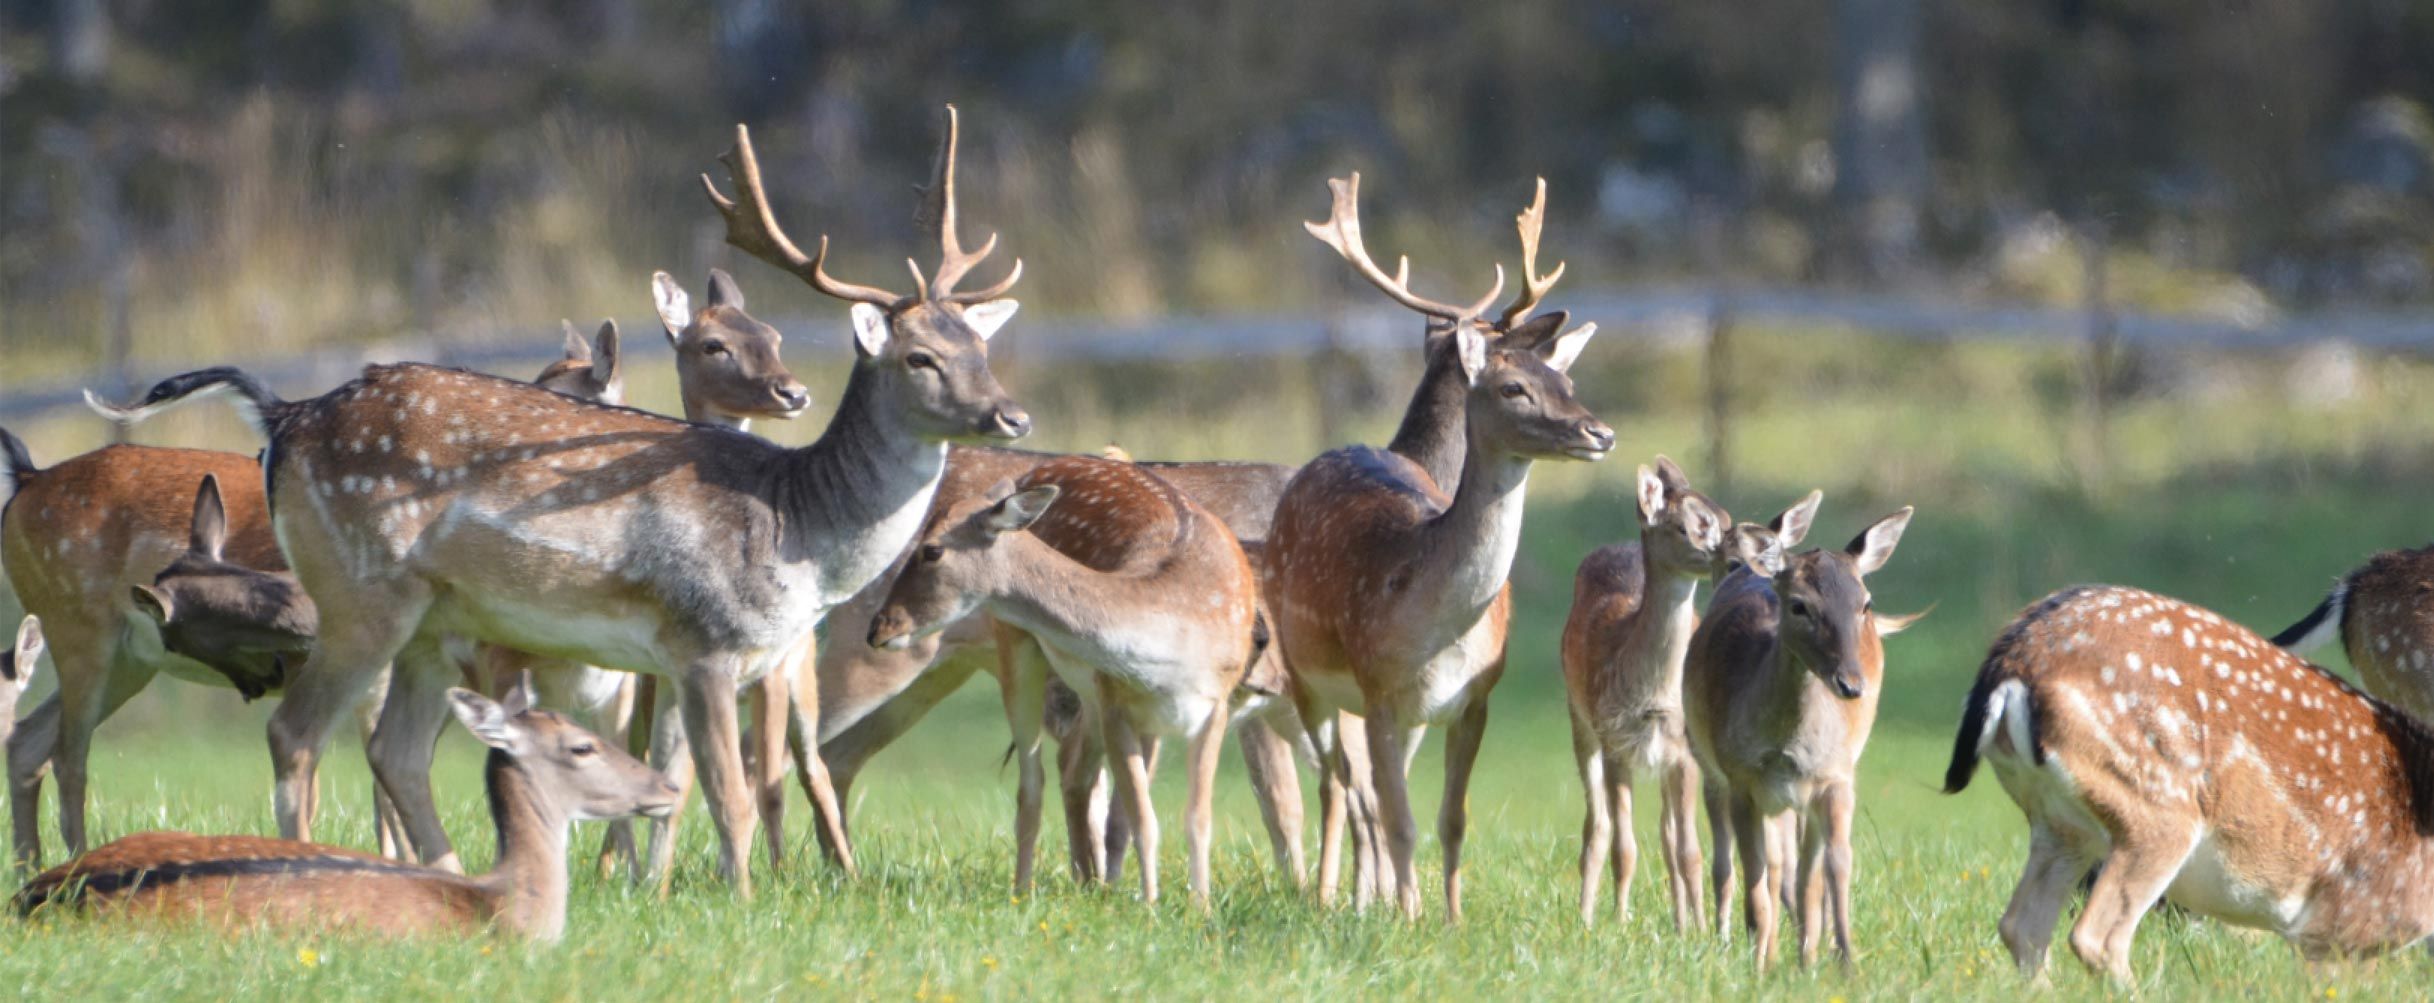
(2096, 463)
(1719, 394)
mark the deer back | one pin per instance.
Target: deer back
(247, 880)
(2387, 628)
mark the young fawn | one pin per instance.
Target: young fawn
(1623, 646)
(2183, 757)
(544, 772)
(2384, 625)
(17, 671)
(1135, 594)
(1780, 692)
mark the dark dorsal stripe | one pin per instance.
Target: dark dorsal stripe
(71, 889)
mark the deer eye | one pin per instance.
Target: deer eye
(584, 749)
(713, 348)
(1799, 609)
(931, 552)
(921, 360)
(1514, 390)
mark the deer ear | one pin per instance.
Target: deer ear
(1792, 526)
(724, 291)
(577, 349)
(1888, 625)
(519, 697)
(1706, 525)
(1759, 548)
(870, 330)
(985, 318)
(1536, 330)
(1020, 509)
(152, 602)
(606, 362)
(1671, 473)
(1874, 546)
(1652, 496)
(489, 722)
(1564, 349)
(1471, 347)
(675, 308)
(209, 534)
(27, 649)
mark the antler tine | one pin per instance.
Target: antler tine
(753, 229)
(938, 210)
(1533, 285)
(1342, 231)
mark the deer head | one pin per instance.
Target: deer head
(727, 361)
(958, 563)
(926, 352)
(1766, 549)
(580, 776)
(1829, 623)
(586, 371)
(249, 625)
(1681, 530)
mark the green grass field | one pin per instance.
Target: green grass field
(2246, 503)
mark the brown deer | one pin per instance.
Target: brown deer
(17, 671)
(1137, 596)
(2385, 627)
(606, 535)
(1383, 586)
(544, 772)
(2182, 757)
(1780, 692)
(1622, 649)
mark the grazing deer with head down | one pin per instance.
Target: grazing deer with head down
(1383, 586)
(544, 772)
(2183, 757)
(606, 535)
(1780, 693)
(1622, 649)
(17, 670)
(1137, 596)
(2385, 625)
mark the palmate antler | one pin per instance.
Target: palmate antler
(1342, 231)
(753, 229)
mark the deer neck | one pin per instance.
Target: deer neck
(852, 500)
(1657, 639)
(700, 413)
(1467, 551)
(528, 887)
(1433, 433)
(1082, 609)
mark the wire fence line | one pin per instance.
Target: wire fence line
(1690, 312)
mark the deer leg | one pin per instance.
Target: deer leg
(672, 755)
(30, 750)
(2132, 878)
(1597, 822)
(2046, 882)
(1811, 884)
(1837, 849)
(1128, 756)
(1680, 835)
(1758, 897)
(388, 826)
(358, 639)
(1722, 835)
(617, 836)
(411, 717)
(1267, 757)
(1081, 790)
(1389, 744)
(1372, 873)
(1454, 813)
(707, 695)
(772, 707)
(1199, 814)
(800, 729)
(1332, 772)
(850, 748)
(1023, 676)
(84, 693)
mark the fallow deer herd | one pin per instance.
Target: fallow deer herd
(423, 543)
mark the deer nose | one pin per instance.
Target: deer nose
(1596, 436)
(1010, 422)
(793, 396)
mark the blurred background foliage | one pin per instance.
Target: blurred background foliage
(283, 173)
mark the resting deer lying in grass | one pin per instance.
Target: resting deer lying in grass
(1780, 693)
(1385, 589)
(1623, 647)
(17, 671)
(544, 772)
(2184, 758)
(1137, 596)
(2380, 615)
(606, 535)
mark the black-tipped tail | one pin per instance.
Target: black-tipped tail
(2318, 626)
(20, 462)
(255, 401)
(1972, 736)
